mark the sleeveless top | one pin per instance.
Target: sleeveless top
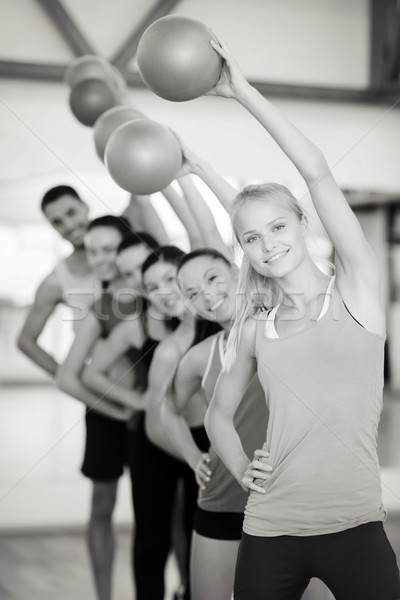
(78, 291)
(324, 390)
(222, 492)
(109, 312)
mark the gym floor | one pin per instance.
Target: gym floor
(42, 547)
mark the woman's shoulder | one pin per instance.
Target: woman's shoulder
(168, 349)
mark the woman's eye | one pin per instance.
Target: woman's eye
(212, 278)
(278, 227)
(192, 295)
(251, 239)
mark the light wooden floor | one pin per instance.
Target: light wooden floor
(40, 563)
(55, 567)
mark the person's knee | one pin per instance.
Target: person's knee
(103, 500)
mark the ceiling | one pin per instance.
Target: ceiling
(39, 38)
(343, 55)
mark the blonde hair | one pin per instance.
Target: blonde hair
(255, 292)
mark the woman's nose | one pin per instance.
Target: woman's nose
(268, 243)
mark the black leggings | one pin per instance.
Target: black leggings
(155, 476)
(355, 564)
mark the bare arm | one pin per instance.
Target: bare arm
(142, 216)
(221, 188)
(96, 375)
(181, 437)
(228, 394)
(48, 295)
(184, 214)
(161, 374)
(210, 234)
(69, 374)
(357, 270)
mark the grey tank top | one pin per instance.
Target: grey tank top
(223, 493)
(324, 390)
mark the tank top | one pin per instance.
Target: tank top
(109, 313)
(78, 291)
(324, 390)
(222, 492)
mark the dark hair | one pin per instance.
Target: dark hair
(56, 192)
(169, 254)
(138, 237)
(121, 224)
(211, 252)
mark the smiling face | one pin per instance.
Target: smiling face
(101, 244)
(161, 287)
(272, 236)
(69, 217)
(209, 287)
(130, 261)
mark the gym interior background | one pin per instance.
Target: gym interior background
(331, 65)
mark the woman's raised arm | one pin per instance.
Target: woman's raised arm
(358, 275)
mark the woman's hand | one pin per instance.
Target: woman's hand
(202, 471)
(118, 411)
(231, 80)
(257, 469)
(190, 160)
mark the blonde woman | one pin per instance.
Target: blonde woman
(315, 505)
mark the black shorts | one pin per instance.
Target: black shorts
(218, 525)
(106, 447)
(355, 564)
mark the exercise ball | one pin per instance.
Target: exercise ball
(89, 66)
(90, 98)
(143, 156)
(175, 58)
(108, 122)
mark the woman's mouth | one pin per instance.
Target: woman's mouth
(276, 257)
(217, 304)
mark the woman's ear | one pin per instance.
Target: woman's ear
(305, 225)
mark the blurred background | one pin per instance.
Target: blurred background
(332, 66)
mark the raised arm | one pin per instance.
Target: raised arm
(97, 374)
(222, 189)
(48, 295)
(69, 374)
(228, 394)
(151, 220)
(184, 214)
(357, 270)
(202, 214)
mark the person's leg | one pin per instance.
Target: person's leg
(357, 564)
(100, 535)
(185, 516)
(272, 568)
(212, 568)
(154, 481)
(181, 540)
(184, 526)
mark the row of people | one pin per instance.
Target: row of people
(301, 478)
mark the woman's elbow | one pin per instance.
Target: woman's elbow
(151, 430)
(210, 422)
(317, 168)
(87, 377)
(64, 380)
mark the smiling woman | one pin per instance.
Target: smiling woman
(160, 281)
(314, 485)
